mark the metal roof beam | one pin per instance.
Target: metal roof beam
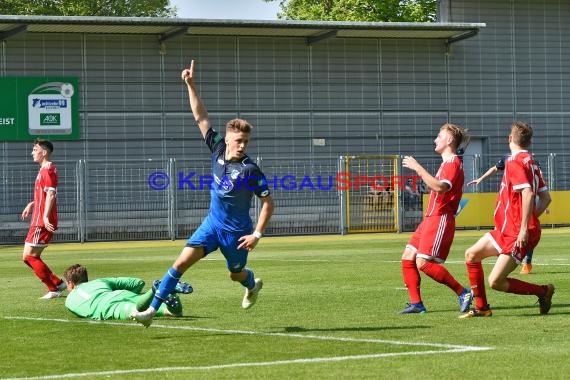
(172, 34)
(459, 37)
(321, 37)
(13, 32)
(462, 36)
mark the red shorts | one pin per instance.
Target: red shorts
(38, 236)
(505, 245)
(433, 237)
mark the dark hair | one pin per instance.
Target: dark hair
(239, 125)
(76, 274)
(522, 134)
(45, 144)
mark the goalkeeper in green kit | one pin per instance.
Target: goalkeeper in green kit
(115, 297)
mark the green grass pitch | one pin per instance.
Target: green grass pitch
(328, 309)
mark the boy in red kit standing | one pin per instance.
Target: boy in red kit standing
(429, 246)
(517, 228)
(44, 219)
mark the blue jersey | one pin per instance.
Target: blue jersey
(500, 165)
(234, 184)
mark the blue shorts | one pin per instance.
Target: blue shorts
(212, 238)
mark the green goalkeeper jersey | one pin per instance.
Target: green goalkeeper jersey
(105, 298)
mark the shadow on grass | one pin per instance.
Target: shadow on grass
(533, 310)
(187, 318)
(556, 309)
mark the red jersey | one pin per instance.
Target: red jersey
(521, 171)
(450, 172)
(45, 181)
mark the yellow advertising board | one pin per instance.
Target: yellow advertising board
(478, 208)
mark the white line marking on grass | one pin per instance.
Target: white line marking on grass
(246, 332)
(234, 365)
(447, 262)
(447, 348)
(155, 258)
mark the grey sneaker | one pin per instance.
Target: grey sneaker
(250, 296)
(51, 294)
(142, 317)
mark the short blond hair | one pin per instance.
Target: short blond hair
(238, 125)
(459, 134)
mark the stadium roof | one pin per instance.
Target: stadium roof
(167, 28)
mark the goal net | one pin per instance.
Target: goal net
(370, 193)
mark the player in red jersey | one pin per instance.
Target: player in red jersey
(500, 165)
(44, 219)
(429, 246)
(517, 228)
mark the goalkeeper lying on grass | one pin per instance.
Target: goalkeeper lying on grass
(115, 297)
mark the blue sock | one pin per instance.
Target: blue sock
(167, 285)
(249, 282)
(528, 257)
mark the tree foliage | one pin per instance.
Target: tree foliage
(359, 10)
(118, 8)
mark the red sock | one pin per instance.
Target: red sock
(43, 272)
(477, 280)
(442, 275)
(412, 280)
(525, 288)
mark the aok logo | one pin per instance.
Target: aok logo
(50, 119)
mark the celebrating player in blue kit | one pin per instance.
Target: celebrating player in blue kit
(228, 225)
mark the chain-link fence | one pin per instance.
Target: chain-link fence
(167, 199)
